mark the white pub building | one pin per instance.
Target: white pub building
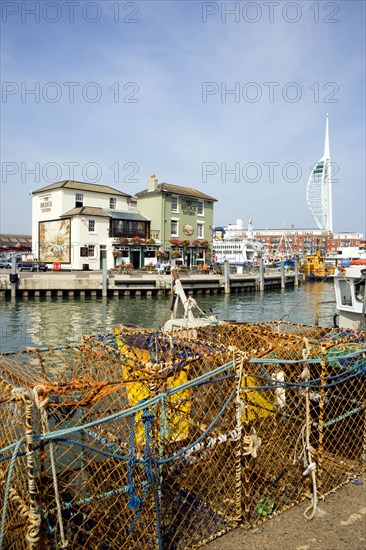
(75, 225)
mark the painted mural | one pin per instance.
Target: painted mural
(55, 241)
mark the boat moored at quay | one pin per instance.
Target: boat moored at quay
(235, 245)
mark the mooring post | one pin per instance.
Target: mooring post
(296, 268)
(104, 277)
(13, 278)
(261, 275)
(283, 283)
(227, 277)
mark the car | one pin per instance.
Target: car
(5, 264)
(31, 266)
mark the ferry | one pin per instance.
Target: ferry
(237, 246)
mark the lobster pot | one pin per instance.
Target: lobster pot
(148, 440)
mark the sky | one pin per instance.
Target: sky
(226, 97)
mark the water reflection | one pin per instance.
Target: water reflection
(59, 321)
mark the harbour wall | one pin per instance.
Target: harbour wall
(80, 283)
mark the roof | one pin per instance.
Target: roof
(120, 215)
(176, 190)
(11, 240)
(86, 211)
(104, 213)
(81, 186)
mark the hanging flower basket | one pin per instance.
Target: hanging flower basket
(175, 241)
(137, 240)
(175, 254)
(201, 244)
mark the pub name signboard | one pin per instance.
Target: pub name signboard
(189, 208)
(45, 203)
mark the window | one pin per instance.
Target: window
(83, 251)
(91, 226)
(91, 250)
(345, 290)
(174, 228)
(79, 199)
(174, 203)
(112, 203)
(200, 230)
(200, 210)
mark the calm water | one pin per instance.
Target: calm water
(59, 321)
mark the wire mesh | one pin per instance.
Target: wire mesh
(146, 440)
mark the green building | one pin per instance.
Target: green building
(181, 220)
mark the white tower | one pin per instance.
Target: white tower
(319, 189)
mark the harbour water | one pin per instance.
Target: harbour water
(44, 322)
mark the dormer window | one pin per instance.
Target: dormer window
(79, 200)
(112, 203)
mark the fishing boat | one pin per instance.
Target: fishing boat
(315, 268)
(350, 293)
(187, 320)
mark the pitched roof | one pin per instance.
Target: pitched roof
(176, 190)
(104, 213)
(81, 186)
(121, 215)
(11, 240)
(86, 211)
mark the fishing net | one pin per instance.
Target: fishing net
(145, 440)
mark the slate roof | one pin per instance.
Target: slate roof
(81, 186)
(176, 190)
(134, 216)
(86, 211)
(104, 213)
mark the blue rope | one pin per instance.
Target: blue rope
(134, 501)
(7, 489)
(147, 419)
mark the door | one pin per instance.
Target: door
(136, 259)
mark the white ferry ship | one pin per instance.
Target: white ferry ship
(236, 245)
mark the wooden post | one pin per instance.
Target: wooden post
(104, 277)
(283, 283)
(13, 277)
(227, 277)
(296, 267)
(261, 275)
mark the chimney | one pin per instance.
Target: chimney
(152, 183)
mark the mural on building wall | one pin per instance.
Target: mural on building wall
(55, 241)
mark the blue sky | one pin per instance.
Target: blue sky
(151, 84)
